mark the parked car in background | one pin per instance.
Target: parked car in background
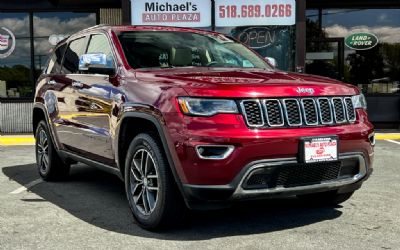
(194, 119)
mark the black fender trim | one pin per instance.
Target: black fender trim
(160, 130)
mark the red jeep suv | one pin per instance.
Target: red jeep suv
(191, 118)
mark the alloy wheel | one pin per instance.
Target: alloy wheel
(144, 182)
(43, 152)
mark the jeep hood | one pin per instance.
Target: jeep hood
(228, 82)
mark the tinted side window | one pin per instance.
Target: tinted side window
(99, 44)
(72, 54)
(56, 60)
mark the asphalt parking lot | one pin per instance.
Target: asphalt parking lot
(90, 211)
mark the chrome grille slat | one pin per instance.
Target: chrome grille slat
(273, 112)
(338, 110)
(310, 111)
(325, 110)
(298, 112)
(292, 112)
(350, 112)
(253, 113)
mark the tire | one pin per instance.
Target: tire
(331, 198)
(153, 197)
(50, 166)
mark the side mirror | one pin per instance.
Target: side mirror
(272, 61)
(96, 63)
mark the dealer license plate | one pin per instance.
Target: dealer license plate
(317, 149)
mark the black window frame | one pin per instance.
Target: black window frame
(54, 54)
(110, 45)
(84, 48)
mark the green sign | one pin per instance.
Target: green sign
(361, 41)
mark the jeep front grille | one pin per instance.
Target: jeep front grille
(298, 112)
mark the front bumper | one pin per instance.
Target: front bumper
(206, 196)
(250, 145)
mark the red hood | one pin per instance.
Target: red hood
(228, 82)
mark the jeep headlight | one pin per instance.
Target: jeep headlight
(359, 101)
(207, 107)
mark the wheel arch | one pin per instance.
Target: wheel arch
(40, 113)
(144, 123)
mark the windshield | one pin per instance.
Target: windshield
(167, 49)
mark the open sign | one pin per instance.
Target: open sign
(258, 37)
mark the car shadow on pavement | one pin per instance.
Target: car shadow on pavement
(99, 198)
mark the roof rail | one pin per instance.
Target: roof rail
(95, 27)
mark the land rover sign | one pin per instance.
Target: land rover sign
(361, 41)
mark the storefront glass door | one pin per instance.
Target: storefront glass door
(371, 54)
(325, 57)
(269, 41)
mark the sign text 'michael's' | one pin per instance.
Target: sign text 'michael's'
(157, 7)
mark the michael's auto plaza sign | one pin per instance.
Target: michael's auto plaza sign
(228, 13)
(184, 13)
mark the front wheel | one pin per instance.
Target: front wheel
(152, 194)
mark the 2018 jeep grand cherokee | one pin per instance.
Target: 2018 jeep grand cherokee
(191, 118)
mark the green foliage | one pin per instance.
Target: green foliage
(15, 73)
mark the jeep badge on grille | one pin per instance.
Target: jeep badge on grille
(309, 91)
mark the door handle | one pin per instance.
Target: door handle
(52, 82)
(77, 84)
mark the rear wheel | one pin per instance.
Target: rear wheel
(330, 198)
(50, 166)
(152, 194)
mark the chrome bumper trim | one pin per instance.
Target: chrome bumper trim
(240, 192)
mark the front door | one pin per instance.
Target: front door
(85, 126)
(325, 57)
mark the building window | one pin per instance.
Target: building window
(269, 41)
(15, 56)
(48, 26)
(20, 64)
(375, 70)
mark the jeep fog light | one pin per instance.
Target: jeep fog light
(214, 152)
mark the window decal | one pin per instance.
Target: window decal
(7, 43)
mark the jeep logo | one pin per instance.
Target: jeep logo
(309, 91)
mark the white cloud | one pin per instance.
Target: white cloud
(43, 27)
(20, 27)
(54, 25)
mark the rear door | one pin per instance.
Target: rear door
(66, 126)
(52, 85)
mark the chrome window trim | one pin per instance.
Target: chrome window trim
(286, 113)
(280, 110)
(304, 112)
(343, 109)
(240, 192)
(245, 115)
(346, 107)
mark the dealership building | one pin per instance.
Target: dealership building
(354, 41)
